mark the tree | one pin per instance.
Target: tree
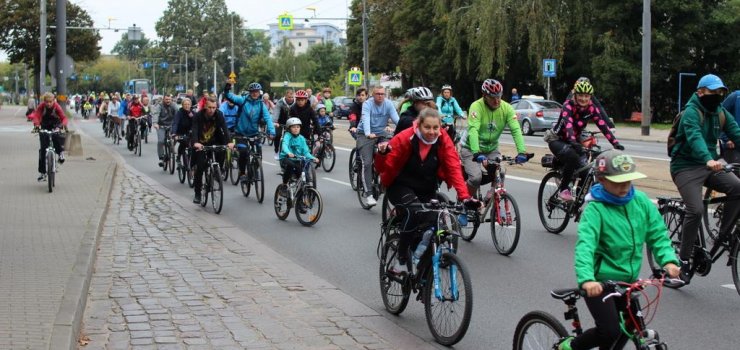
(328, 59)
(19, 28)
(130, 49)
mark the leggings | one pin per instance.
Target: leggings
(570, 158)
(607, 329)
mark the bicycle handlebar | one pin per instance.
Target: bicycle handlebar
(622, 288)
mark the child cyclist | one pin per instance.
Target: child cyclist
(294, 146)
(616, 224)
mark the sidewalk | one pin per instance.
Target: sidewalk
(46, 239)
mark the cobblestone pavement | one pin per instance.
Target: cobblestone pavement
(165, 280)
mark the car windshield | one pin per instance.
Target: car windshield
(548, 104)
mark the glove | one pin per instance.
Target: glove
(618, 146)
(471, 203)
(577, 147)
(521, 158)
(479, 157)
(227, 88)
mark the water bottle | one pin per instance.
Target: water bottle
(422, 247)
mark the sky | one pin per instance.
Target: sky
(145, 13)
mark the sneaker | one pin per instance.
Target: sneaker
(61, 158)
(565, 195)
(685, 272)
(277, 156)
(41, 178)
(565, 344)
(196, 198)
(370, 200)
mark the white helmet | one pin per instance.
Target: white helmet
(421, 94)
(293, 121)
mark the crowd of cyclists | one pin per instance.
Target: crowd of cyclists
(425, 149)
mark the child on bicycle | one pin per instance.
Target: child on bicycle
(324, 119)
(616, 224)
(294, 146)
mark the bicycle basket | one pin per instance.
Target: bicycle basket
(550, 161)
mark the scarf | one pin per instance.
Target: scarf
(599, 194)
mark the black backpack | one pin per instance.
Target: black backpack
(671, 143)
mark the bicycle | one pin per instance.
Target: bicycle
(324, 149)
(50, 156)
(254, 172)
(212, 180)
(169, 158)
(441, 280)
(554, 212)
(541, 330)
(183, 162)
(354, 168)
(136, 128)
(673, 212)
(504, 211)
(116, 132)
(298, 193)
(375, 187)
(713, 211)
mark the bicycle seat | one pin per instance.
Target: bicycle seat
(566, 293)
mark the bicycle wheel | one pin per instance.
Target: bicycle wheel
(309, 206)
(538, 330)
(361, 193)
(313, 177)
(138, 144)
(205, 187)
(181, 172)
(352, 167)
(167, 156)
(673, 219)
(234, 167)
(282, 202)
(392, 287)
(506, 226)
(329, 158)
(553, 213)
(50, 171)
(217, 189)
(712, 215)
(734, 252)
(246, 185)
(171, 157)
(448, 315)
(259, 181)
(189, 172)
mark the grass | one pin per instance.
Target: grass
(658, 126)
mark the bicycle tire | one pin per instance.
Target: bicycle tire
(234, 167)
(282, 203)
(734, 252)
(352, 167)
(166, 159)
(329, 159)
(50, 171)
(448, 337)
(673, 219)
(190, 172)
(393, 290)
(246, 185)
(712, 222)
(308, 199)
(259, 182)
(546, 337)
(181, 172)
(313, 177)
(503, 240)
(361, 193)
(546, 208)
(217, 189)
(138, 144)
(204, 187)
(171, 158)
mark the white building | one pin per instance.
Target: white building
(304, 36)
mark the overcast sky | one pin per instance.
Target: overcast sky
(145, 13)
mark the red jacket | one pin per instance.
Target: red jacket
(39, 112)
(135, 110)
(450, 169)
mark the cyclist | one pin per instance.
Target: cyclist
(421, 98)
(183, 122)
(411, 166)
(294, 145)
(114, 109)
(694, 164)
(303, 111)
(147, 110)
(78, 102)
(614, 227)
(326, 100)
(355, 110)
(231, 113)
(252, 110)
(123, 112)
(49, 115)
(103, 112)
(596, 102)
(373, 124)
(209, 129)
(573, 119)
(165, 118)
(135, 111)
(280, 115)
(731, 104)
(450, 109)
(86, 109)
(488, 116)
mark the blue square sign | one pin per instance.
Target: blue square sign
(548, 68)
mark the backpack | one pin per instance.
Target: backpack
(671, 143)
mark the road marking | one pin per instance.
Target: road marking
(268, 163)
(26, 129)
(343, 149)
(633, 156)
(731, 286)
(337, 181)
(523, 179)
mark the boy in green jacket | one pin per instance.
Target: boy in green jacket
(617, 223)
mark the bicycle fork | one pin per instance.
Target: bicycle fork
(436, 258)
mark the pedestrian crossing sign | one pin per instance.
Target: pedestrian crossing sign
(285, 22)
(354, 78)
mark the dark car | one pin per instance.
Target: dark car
(341, 106)
(536, 114)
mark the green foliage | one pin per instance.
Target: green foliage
(131, 49)
(328, 60)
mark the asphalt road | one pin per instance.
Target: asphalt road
(341, 249)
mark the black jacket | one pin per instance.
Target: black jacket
(210, 131)
(406, 120)
(308, 118)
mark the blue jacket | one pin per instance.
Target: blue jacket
(230, 114)
(295, 144)
(375, 117)
(123, 109)
(449, 109)
(252, 110)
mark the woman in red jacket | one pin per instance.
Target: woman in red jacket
(49, 115)
(411, 166)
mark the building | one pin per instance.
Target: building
(304, 36)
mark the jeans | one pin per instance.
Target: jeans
(365, 147)
(57, 140)
(160, 142)
(473, 169)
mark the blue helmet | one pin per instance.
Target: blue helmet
(254, 86)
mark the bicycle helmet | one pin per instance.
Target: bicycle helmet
(301, 94)
(254, 86)
(492, 87)
(320, 106)
(583, 79)
(293, 121)
(421, 94)
(446, 87)
(408, 92)
(584, 87)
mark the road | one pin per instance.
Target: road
(341, 249)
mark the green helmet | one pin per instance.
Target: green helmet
(584, 87)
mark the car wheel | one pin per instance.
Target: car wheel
(527, 128)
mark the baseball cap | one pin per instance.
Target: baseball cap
(616, 166)
(711, 82)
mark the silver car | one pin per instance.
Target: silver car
(536, 114)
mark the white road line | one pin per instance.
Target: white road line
(343, 149)
(633, 156)
(523, 179)
(268, 163)
(337, 181)
(731, 286)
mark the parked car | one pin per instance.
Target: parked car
(341, 106)
(536, 114)
(179, 98)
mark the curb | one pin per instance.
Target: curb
(68, 319)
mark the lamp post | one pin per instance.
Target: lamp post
(680, 88)
(646, 36)
(365, 51)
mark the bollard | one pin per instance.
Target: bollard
(73, 144)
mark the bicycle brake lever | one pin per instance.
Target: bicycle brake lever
(610, 295)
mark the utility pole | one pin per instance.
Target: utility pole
(187, 82)
(61, 52)
(42, 50)
(232, 44)
(365, 51)
(646, 36)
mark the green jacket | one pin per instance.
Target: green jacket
(611, 238)
(485, 126)
(696, 141)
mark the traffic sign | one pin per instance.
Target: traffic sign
(146, 65)
(180, 88)
(285, 22)
(68, 66)
(354, 78)
(548, 68)
(232, 78)
(164, 65)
